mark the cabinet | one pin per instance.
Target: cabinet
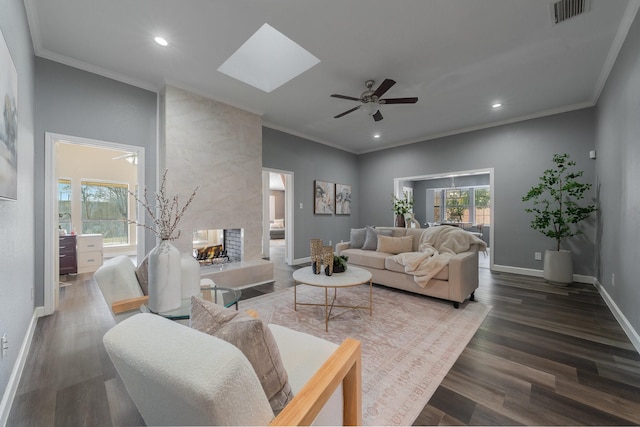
(67, 254)
(89, 252)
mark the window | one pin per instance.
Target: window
(437, 205)
(482, 199)
(457, 205)
(105, 211)
(64, 205)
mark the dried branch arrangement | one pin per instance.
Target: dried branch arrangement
(166, 214)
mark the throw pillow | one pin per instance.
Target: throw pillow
(253, 338)
(371, 241)
(278, 223)
(395, 245)
(357, 238)
(142, 273)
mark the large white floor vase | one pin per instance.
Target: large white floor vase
(558, 267)
(165, 287)
(190, 270)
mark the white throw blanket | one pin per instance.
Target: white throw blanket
(437, 246)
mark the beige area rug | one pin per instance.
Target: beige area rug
(408, 345)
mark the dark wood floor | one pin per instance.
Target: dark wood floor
(544, 356)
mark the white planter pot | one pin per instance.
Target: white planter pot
(190, 269)
(558, 267)
(165, 288)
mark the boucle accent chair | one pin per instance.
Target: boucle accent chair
(180, 376)
(120, 287)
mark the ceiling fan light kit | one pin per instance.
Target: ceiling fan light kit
(371, 99)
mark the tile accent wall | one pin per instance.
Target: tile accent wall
(233, 244)
(218, 148)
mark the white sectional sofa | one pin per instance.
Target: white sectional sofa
(455, 282)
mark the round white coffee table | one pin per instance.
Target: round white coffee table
(353, 276)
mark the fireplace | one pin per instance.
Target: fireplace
(218, 246)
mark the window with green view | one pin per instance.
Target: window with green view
(105, 211)
(64, 205)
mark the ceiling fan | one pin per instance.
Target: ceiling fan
(371, 101)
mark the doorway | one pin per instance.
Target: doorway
(476, 208)
(53, 142)
(277, 242)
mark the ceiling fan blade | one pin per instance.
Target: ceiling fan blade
(346, 112)
(377, 116)
(399, 101)
(384, 86)
(350, 98)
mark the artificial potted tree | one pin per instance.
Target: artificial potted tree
(401, 206)
(557, 213)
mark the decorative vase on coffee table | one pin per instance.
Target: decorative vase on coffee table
(165, 288)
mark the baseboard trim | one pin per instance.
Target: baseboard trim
(16, 373)
(620, 317)
(580, 278)
(298, 261)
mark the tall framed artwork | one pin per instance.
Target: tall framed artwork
(324, 197)
(343, 199)
(8, 124)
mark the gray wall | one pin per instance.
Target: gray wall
(310, 161)
(518, 152)
(73, 102)
(18, 242)
(618, 177)
(278, 203)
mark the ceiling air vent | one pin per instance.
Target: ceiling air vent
(565, 9)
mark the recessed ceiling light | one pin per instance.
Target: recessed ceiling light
(496, 105)
(267, 60)
(376, 135)
(161, 41)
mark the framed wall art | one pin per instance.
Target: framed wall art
(324, 197)
(8, 124)
(343, 199)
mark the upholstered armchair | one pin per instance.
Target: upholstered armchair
(177, 375)
(120, 287)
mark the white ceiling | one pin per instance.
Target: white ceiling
(457, 56)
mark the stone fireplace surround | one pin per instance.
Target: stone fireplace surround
(219, 148)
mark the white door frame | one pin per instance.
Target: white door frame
(397, 188)
(288, 213)
(51, 267)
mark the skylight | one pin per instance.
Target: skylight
(268, 60)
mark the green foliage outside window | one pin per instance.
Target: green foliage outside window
(105, 211)
(457, 204)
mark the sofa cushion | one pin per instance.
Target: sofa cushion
(364, 258)
(395, 231)
(395, 245)
(391, 265)
(358, 236)
(371, 241)
(253, 338)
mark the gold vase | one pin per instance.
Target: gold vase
(316, 255)
(327, 259)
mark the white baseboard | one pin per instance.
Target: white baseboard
(299, 261)
(580, 278)
(16, 373)
(620, 317)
